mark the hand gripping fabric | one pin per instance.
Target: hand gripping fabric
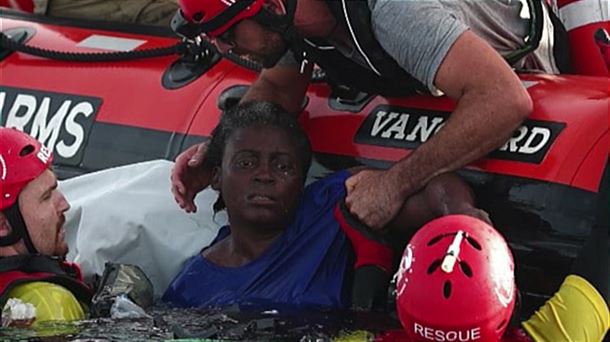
(456, 282)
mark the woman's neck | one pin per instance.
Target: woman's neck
(242, 246)
(251, 243)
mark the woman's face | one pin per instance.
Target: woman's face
(260, 177)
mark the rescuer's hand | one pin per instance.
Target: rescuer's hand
(189, 176)
(373, 197)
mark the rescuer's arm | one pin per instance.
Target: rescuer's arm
(445, 194)
(490, 103)
(283, 84)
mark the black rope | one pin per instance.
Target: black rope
(182, 48)
(7, 43)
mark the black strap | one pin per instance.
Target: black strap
(223, 17)
(15, 222)
(35, 264)
(278, 23)
(359, 16)
(532, 40)
(60, 274)
(18, 229)
(369, 287)
(561, 45)
(360, 227)
(394, 80)
(8, 43)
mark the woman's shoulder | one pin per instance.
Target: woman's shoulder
(320, 197)
(215, 252)
(330, 180)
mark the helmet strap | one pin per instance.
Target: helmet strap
(283, 24)
(18, 229)
(276, 22)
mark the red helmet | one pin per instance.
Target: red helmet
(214, 17)
(22, 159)
(456, 282)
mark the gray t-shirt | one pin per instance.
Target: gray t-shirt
(419, 33)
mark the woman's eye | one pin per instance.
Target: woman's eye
(245, 163)
(284, 167)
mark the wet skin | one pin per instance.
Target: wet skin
(251, 40)
(260, 180)
(43, 206)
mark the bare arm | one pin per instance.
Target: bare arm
(491, 103)
(282, 84)
(445, 194)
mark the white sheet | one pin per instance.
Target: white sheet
(128, 215)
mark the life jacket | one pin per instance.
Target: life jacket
(384, 76)
(372, 268)
(21, 269)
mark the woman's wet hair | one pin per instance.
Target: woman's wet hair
(256, 113)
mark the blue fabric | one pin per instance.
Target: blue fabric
(304, 268)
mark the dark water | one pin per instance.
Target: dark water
(191, 324)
